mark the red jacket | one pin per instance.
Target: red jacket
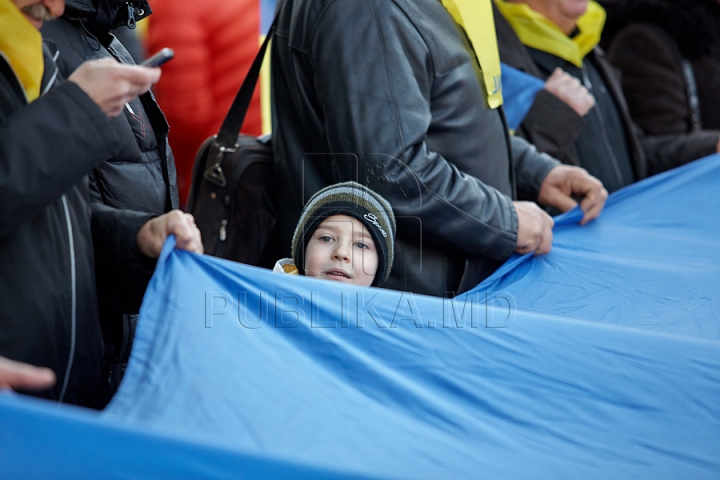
(215, 42)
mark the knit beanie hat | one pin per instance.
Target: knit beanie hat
(353, 200)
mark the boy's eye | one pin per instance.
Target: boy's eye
(361, 245)
(326, 238)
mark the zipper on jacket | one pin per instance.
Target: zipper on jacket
(223, 230)
(53, 76)
(611, 153)
(131, 23)
(162, 140)
(73, 305)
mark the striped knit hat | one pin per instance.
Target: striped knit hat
(353, 200)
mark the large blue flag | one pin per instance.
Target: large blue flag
(599, 360)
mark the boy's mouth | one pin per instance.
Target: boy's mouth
(337, 273)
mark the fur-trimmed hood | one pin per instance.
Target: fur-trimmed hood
(693, 24)
(100, 16)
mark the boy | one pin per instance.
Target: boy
(345, 233)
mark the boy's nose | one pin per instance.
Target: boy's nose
(341, 252)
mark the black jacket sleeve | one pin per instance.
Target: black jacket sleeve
(656, 95)
(46, 148)
(119, 265)
(664, 152)
(553, 126)
(532, 167)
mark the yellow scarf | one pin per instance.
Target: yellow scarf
(21, 43)
(476, 18)
(536, 31)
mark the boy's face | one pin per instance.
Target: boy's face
(342, 249)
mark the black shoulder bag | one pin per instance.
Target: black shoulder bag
(232, 195)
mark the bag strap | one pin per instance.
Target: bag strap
(227, 136)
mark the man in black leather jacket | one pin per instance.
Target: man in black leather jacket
(385, 92)
(140, 176)
(52, 133)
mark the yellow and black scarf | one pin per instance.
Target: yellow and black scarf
(21, 44)
(537, 31)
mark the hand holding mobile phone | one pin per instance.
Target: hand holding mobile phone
(159, 58)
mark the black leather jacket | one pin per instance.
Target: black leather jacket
(385, 92)
(142, 175)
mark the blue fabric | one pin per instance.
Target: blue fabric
(41, 440)
(519, 91)
(599, 360)
(651, 262)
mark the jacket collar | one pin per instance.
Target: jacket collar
(101, 16)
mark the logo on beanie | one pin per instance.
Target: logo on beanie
(373, 219)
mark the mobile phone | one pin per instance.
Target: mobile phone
(159, 58)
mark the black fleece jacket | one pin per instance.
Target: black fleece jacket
(48, 305)
(141, 174)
